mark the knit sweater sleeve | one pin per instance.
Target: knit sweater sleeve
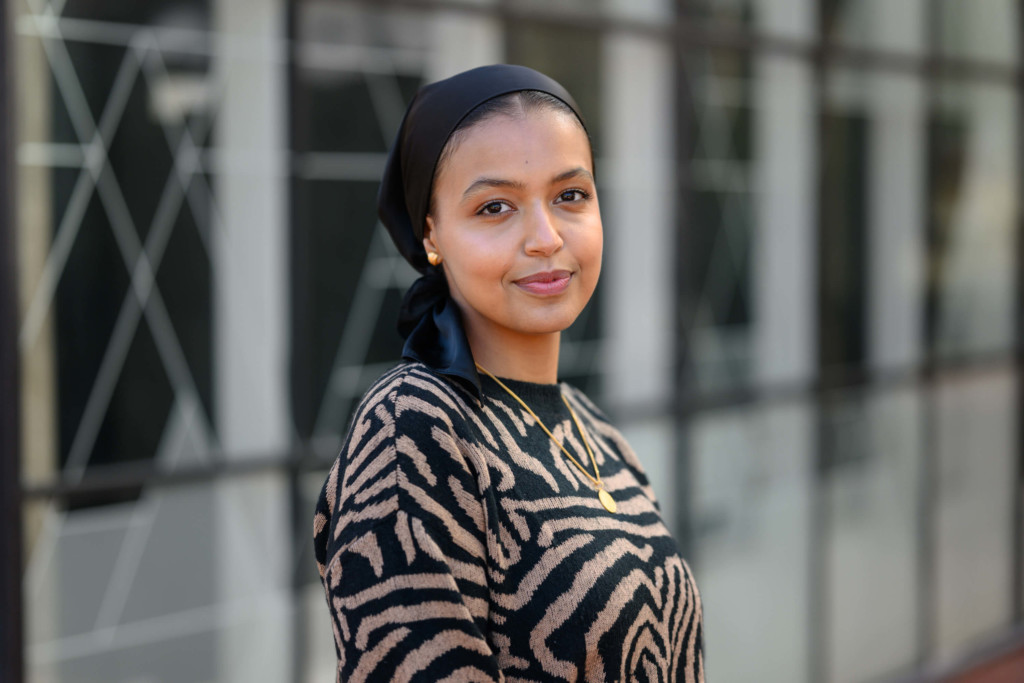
(401, 546)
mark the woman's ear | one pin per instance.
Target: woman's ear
(428, 236)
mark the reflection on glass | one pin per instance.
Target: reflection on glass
(101, 603)
(117, 322)
(642, 10)
(720, 219)
(358, 67)
(751, 483)
(973, 184)
(987, 31)
(872, 451)
(738, 12)
(976, 415)
(845, 137)
(786, 18)
(870, 307)
(878, 24)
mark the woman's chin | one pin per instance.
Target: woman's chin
(531, 318)
(545, 324)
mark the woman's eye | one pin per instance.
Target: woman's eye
(572, 196)
(492, 208)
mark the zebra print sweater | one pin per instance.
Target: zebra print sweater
(456, 542)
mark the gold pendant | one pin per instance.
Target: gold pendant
(606, 500)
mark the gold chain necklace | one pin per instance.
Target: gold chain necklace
(606, 498)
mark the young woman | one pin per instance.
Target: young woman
(483, 522)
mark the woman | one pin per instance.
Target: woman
(483, 522)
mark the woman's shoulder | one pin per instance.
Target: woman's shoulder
(412, 387)
(395, 443)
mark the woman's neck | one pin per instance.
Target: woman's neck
(528, 358)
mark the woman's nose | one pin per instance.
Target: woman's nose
(542, 238)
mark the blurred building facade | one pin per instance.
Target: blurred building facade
(809, 323)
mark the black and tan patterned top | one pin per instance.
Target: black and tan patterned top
(456, 542)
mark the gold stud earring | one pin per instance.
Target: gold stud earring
(434, 258)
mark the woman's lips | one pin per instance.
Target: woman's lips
(545, 284)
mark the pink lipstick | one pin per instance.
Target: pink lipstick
(545, 284)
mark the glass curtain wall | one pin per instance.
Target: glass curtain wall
(808, 324)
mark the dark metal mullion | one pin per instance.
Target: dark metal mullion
(787, 392)
(130, 477)
(928, 479)
(11, 606)
(683, 386)
(819, 646)
(927, 504)
(301, 333)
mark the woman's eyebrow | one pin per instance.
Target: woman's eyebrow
(492, 182)
(479, 183)
(578, 172)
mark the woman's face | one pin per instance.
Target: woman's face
(515, 218)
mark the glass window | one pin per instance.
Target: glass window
(976, 415)
(720, 218)
(781, 18)
(752, 497)
(973, 203)
(872, 237)
(986, 31)
(358, 68)
(846, 131)
(642, 10)
(872, 451)
(747, 245)
(890, 26)
(725, 12)
(112, 130)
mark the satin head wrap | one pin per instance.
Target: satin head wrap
(429, 320)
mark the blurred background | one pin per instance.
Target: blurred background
(810, 324)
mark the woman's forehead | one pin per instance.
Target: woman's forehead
(515, 143)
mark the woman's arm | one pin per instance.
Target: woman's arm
(403, 609)
(400, 542)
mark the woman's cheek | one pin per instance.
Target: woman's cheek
(484, 274)
(593, 248)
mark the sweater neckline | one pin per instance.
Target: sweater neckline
(542, 398)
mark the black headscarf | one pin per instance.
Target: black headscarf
(429, 320)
